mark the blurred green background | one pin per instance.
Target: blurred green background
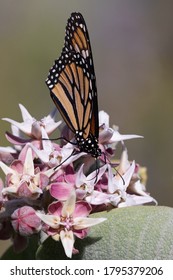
(132, 43)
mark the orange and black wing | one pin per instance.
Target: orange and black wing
(69, 82)
(77, 40)
(72, 81)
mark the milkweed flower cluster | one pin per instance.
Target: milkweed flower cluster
(51, 189)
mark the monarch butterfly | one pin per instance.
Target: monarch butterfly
(72, 85)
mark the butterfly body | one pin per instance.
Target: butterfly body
(88, 145)
(72, 85)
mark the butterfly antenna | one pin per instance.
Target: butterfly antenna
(59, 138)
(72, 154)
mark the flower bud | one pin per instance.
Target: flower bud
(25, 221)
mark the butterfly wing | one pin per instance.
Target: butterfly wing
(70, 90)
(77, 40)
(72, 80)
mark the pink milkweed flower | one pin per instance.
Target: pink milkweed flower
(85, 184)
(107, 135)
(31, 127)
(116, 185)
(67, 220)
(52, 154)
(23, 180)
(81, 183)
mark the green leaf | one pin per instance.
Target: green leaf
(144, 232)
(141, 232)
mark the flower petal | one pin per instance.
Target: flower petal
(105, 135)
(9, 190)
(29, 164)
(82, 209)
(51, 220)
(67, 239)
(55, 208)
(116, 137)
(84, 222)
(103, 118)
(36, 129)
(124, 163)
(97, 198)
(61, 190)
(16, 140)
(25, 114)
(6, 169)
(25, 127)
(133, 200)
(47, 144)
(128, 175)
(52, 126)
(8, 150)
(69, 205)
(118, 183)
